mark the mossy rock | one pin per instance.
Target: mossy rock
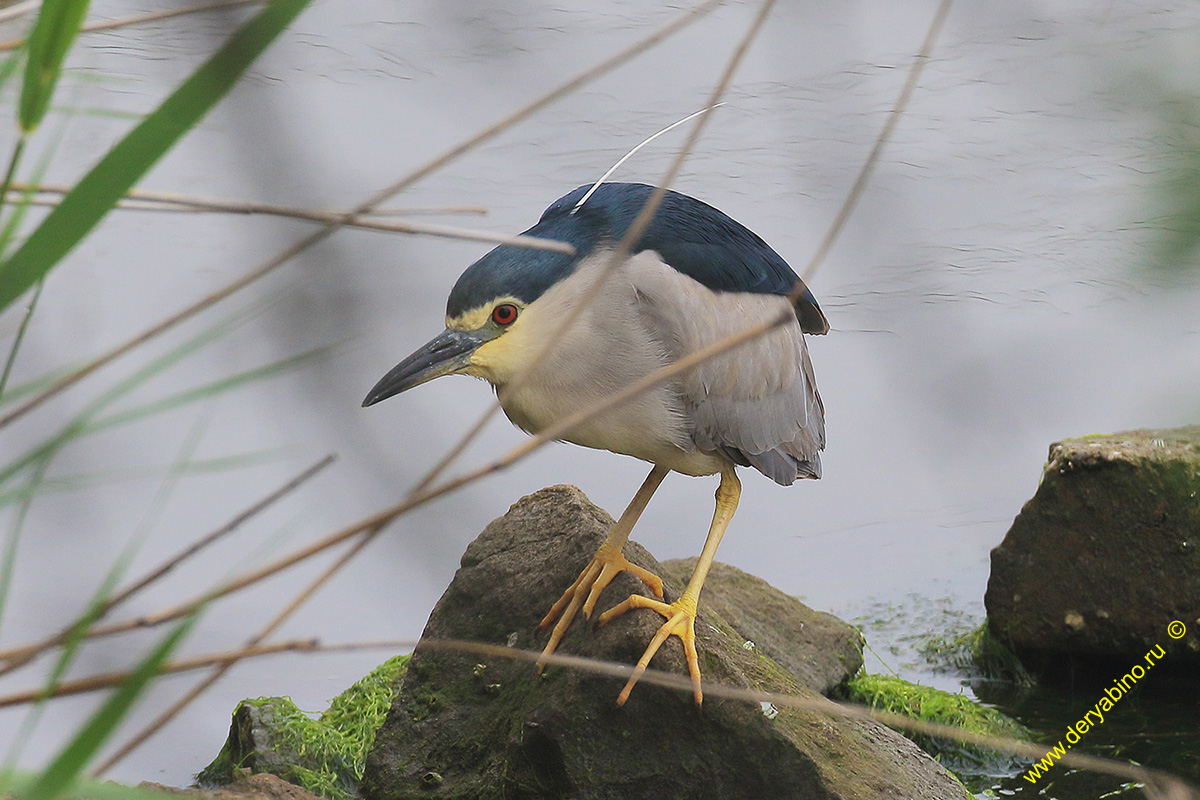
(324, 755)
(815, 647)
(480, 727)
(1104, 556)
(976, 653)
(898, 696)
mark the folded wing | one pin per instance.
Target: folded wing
(758, 403)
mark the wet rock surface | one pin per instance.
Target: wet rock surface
(264, 786)
(1104, 557)
(472, 726)
(816, 648)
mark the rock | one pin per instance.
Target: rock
(818, 649)
(469, 726)
(1104, 556)
(270, 735)
(244, 787)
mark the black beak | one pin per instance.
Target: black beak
(447, 353)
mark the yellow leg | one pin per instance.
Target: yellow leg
(681, 615)
(604, 566)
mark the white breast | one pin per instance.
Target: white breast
(607, 348)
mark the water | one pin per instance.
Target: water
(1152, 724)
(994, 292)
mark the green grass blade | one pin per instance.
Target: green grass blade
(98, 191)
(16, 783)
(89, 421)
(12, 225)
(205, 391)
(88, 481)
(72, 430)
(8, 67)
(69, 764)
(9, 230)
(11, 360)
(57, 25)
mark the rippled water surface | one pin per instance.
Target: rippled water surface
(996, 290)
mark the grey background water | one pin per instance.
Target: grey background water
(995, 291)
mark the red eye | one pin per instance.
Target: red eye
(504, 314)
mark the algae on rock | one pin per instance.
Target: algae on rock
(1104, 556)
(482, 727)
(323, 755)
(898, 696)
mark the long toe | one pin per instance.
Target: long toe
(680, 621)
(585, 591)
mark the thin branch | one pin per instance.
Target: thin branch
(618, 256)
(212, 538)
(15, 348)
(369, 526)
(449, 232)
(219, 670)
(16, 657)
(332, 217)
(107, 25)
(149, 200)
(95, 683)
(370, 204)
(885, 136)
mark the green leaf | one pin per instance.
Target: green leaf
(98, 191)
(7, 67)
(69, 764)
(57, 25)
(209, 390)
(16, 783)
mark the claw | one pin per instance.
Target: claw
(585, 591)
(681, 622)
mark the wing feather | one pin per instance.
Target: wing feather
(758, 403)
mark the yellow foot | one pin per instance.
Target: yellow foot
(585, 591)
(681, 621)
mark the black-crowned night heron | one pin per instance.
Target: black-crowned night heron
(695, 278)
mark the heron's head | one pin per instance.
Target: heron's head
(491, 314)
(497, 317)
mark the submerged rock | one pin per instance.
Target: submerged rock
(468, 726)
(1105, 556)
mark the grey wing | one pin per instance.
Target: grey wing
(757, 403)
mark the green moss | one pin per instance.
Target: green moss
(324, 755)
(897, 696)
(978, 653)
(359, 711)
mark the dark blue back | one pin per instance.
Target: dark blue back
(692, 236)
